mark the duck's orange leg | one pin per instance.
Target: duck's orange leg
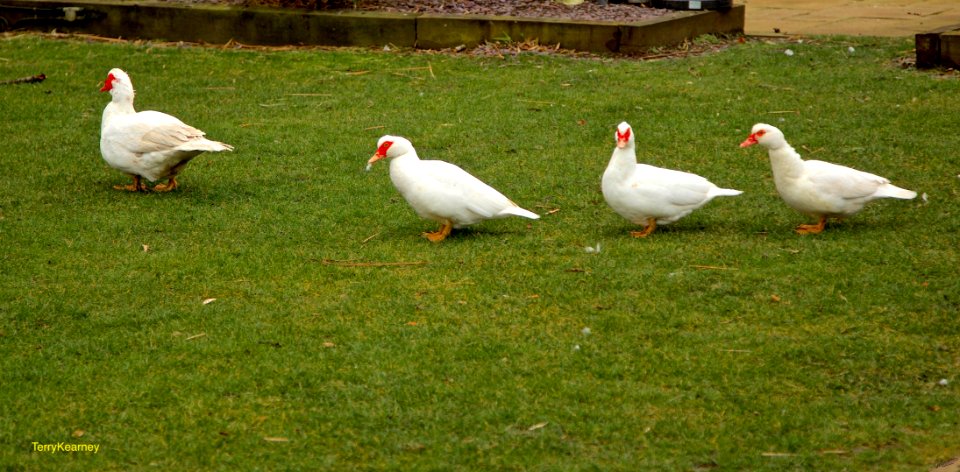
(136, 186)
(813, 229)
(170, 185)
(440, 234)
(651, 225)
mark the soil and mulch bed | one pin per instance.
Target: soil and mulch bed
(588, 10)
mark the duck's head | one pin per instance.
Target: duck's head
(624, 135)
(117, 82)
(390, 146)
(765, 135)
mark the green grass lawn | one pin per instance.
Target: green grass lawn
(722, 342)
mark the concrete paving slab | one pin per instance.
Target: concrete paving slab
(849, 17)
(862, 27)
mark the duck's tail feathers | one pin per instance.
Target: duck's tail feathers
(209, 146)
(517, 211)
(892, 191)
(723, 192)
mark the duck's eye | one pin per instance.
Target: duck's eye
(761, 132)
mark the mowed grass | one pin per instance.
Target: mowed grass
(722, 342)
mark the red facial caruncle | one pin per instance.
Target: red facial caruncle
(380, 154)
(623, 138)
(752, 139)
(108, 84)
(382, 150)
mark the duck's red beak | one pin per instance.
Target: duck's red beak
(750, 141)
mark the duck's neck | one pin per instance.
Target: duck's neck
(785, 162)
(405, 158)
(404, 173)
(623, 161)
(121, 104)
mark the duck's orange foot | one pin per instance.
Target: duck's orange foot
(440, 234)
(170, 185)
(813, 229)
(129, 188)
(651, 225)
(136, 186)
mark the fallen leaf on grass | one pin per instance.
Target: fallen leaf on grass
(537, 426)
(553, 211)
(195, 336)
(209, 301)
(78, 433)
(275, 439)
(146, 247)
(775, 298)
(328, 344)
(411, 323)
(777, 454)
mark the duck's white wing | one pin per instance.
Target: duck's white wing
(151, 132)
(842, 181)
(453, 187)
(681, 189)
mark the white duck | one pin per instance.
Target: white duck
(819, 189)
(441, 191)
(648, 195)
(148, 144)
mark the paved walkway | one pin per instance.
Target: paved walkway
(850, 17)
